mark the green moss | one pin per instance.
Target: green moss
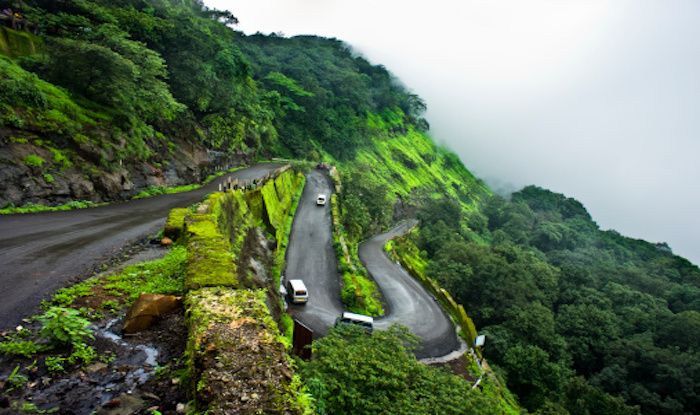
(175, 223)
(210, 260)
(165, 190)
(32, 207)
(34, 160)
(48, 178)
(295, 185)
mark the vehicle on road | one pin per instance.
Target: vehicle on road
(296, 291)
(321, 199)
(363, 321)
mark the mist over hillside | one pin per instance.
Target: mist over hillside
(592, 99)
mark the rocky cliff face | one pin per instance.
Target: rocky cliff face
(33, 170)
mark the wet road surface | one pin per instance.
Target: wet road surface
(42, 252)
(406, 301)
(311, 257)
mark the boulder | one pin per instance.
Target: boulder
(147, 309)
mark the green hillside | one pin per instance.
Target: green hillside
(106, 100)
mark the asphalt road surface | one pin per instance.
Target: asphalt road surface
(42, 252)
(406, 301)
(311, 258)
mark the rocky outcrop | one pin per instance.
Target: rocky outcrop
(36, 171)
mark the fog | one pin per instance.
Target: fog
(596, 99)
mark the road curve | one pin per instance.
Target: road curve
(310, 257)
(406, 301)
(41, 252)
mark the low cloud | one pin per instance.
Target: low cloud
(596, 99)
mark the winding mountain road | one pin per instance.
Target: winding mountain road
(406, 301)
(42, 252)
(310, 257)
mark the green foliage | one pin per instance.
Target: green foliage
(164, 190)
(322, 93)
(578, 319)
(33, 160)
(24, 348)
(361, 295)
(353, 372)
(67, 296)
(54, 364)
(162, 276)
(64, 326)
(33, 207)
(175, 223)
(16, 380)
(48, 178)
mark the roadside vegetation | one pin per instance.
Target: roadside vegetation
(62, 340)
(578, 320)
(33, 208)
(353, 372)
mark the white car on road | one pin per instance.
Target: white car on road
(321, 199)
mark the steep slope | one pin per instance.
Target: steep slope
(111, 97)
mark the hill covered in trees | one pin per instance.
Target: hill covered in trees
(579, 320)
(104, 99)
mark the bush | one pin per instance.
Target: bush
(64, 326)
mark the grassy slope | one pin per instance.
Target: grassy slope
(412, 161)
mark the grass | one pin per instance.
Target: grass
(34, 207)
(412, 161)
(165, 190)
(160, 276)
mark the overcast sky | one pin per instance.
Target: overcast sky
(597, 99)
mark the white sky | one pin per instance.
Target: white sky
(597, 99)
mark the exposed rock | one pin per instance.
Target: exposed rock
(147, 309)
(166, 241)
(80, 187)
(235, 351)
(123, 405)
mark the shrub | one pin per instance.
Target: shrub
(64, 326)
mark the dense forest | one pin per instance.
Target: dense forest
(104, 88)
(579, 320)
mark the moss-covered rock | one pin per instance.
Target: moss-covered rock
(216, 233)
(14, 43)
(175, 223)
(237, 362)
(210, 261)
